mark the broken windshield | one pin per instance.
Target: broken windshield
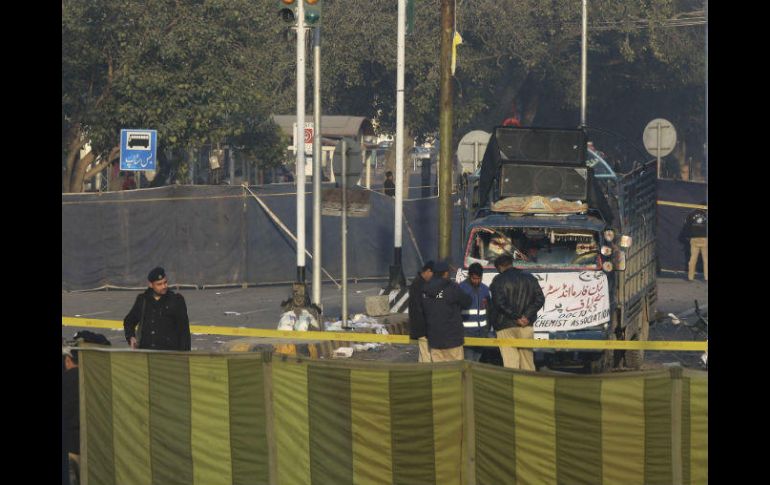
(534, 247)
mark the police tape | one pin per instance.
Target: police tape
(699, 346)
(682, 204)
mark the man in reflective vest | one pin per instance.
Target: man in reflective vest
(475, 317)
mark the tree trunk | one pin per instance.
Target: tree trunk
(73, 150)
(79, 172)
(114, 153)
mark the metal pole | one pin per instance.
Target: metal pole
(317, 166)
(344, 235)
(445, 128)
(400, 63)
(369, 169)
(584, 65)
(299, 143)
(231, 159)
(706, 143)
(658, 152)
(191, 154)
(397, 279)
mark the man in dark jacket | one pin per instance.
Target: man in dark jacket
(516, 299)
(475, 317)
(696, 229)
(70, 416)
(416, 317)
(158, 320)
(389, 187)
(443, 302)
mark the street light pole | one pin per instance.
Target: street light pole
(317, 166)
(299, 143)
(396, 273)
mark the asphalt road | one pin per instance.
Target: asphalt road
(259, 307)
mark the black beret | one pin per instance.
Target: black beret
(156, 274)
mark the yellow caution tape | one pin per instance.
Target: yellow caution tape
(699, 346)
(681, 204)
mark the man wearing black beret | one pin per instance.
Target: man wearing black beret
(158, 320)
(443, 302)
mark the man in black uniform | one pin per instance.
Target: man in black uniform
(416, 316)
(516, 299)
(443, 302)
(158, 320)
(389, 187)
(696, 230)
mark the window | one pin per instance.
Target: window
(535, 247)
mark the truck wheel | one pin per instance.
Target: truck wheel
(635, 358)
(600, 365)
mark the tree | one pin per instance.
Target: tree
(209, 71)
(184, 68)
(522, 53)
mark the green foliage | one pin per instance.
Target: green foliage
(185, 68)
(209, 71)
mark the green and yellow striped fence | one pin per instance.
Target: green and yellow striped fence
(171, 418)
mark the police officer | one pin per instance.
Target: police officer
(443, 302)
(158, 320)
(475, 317)
(696, 229)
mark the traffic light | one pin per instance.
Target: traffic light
(312, 12)
(287, 10)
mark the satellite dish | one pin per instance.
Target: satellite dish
(471, 149)
(659, 137)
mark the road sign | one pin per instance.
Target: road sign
(471, 149)
(138, 149)
(308, 136)
(659, 137)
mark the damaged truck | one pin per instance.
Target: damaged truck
(583, 228)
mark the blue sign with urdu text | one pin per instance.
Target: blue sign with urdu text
(138, 149)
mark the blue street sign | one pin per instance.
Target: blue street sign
(138, 149)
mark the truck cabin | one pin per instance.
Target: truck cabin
(537, 244)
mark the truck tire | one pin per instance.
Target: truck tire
(635, 358)
(601, 365)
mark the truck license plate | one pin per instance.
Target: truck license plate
(541, 336)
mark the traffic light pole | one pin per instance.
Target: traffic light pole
(299, 143)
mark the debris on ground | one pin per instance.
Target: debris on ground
(299, 320)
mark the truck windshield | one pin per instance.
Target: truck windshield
(535, 247)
